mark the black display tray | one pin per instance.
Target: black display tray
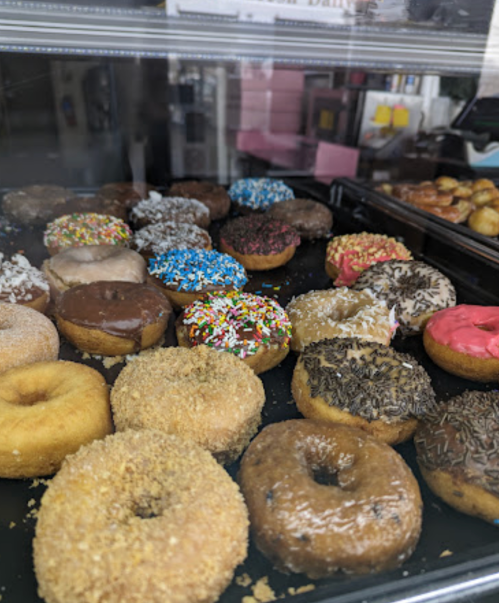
(457, 555)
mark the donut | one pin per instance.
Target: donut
(139, 516)
(213, 196)
(156, 239)
(94, 204)
(462, 191)
(458, 455)
(328, 497)
(339, 313)
(484, 196)
(310, 219)
(258, 241)
(485, 220)
(482, 184)
(26, 336)
(464, 341)
(159, 209)
(413, 289)
(22, 283)
(36, 204)
(363, 384)
(252, 327)
(349, 255)
(259, 193)
(184, 275)
(212, 399)
(47, 411)
(127, 194)
(112, 318)
(457, 213)
(82, 265)
(446, 183)
(76, 230)
(429, 195)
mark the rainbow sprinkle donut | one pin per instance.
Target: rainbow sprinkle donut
(76, 230)
(259, 193)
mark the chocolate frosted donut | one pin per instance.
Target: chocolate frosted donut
(312, 220)
(213, 196)
(21, 283)
(156, 239)
(158, 209)
(364, 384)
(95, 204)
(37, 204)
(458, 453)
(127, 194)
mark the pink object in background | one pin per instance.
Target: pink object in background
(272, 79)
(334, 161)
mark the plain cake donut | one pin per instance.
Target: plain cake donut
(323, 498)
(47, 411)
(139, 517)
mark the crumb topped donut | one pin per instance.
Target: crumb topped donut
(414, 289)
(215, 197)
(253, 328)
(156, 239)
(339, 313)
(169, 209)
(458, 453)
(311, 219)
(76, 230)
(21, 283)
(349, 255)
(327, 497)
(212, 399)
(258, 241)
(139, 516)
(259, 193)
(366, 385)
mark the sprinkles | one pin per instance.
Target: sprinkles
(259, 193)
(76, 230)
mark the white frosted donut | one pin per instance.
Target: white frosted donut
(339, 313)
(26, 336)
(90, 263)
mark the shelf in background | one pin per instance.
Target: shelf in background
(99, 31)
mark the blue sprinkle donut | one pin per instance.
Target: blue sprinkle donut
(259, 193)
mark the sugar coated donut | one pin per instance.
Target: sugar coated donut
(156, 239)
(259, 193)
(22, 283)
(458, 453)
(75, 230)
(213, 196)
(339, 313)
(212, 399)
(127, 194)
(36, 204)
(328, 497)
(185, 275)
(26, 336)
(47, 411)
(252, 327)
(169, 209)
(413, 289)
(311, 219)
(464, 341)
(112, 318)
(139, 516)
(366, 385)
(258, 241)
(349, 255)
(82, 265)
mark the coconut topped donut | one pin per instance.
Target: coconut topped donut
(259, 193)
(156, 239)
(163, 209)
(76, 230)
(20, 282)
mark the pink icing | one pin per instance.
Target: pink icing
(351, 267)
(471, 330)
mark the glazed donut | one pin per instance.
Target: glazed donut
(464, 341)
(127, 194)
(446, 183)
(82, 265)
(213, 196)
(139, 516)
(429, 195)
(457, 214)
(310, 219)
(413, 289)
(258, 241)
(349, 255)
(458, 455)
(485, 221)
(47, 411)
(184, 275)
(253, 328)
(367, 520)
(158, 209)
(259, 194)
(112, 318)
(212, 399)
(37, 204)
(77, 230)
(339, 313)
(27, 336)
(21, 283)
(482, 184)
(363, 384)
(462, 191)
(484, 196)
(156, 239)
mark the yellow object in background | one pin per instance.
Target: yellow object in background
(400, 116)
(326, 121)
(383, 115)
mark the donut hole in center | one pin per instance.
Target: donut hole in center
(148, 508)
(325, 476)
(32, 398)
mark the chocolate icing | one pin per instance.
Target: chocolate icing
(311, 219)
(213, 196)
(126, 193)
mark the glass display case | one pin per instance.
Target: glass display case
(335, 97)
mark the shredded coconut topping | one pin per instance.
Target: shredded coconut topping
(160, 209)
(162, 237)
(19, 280)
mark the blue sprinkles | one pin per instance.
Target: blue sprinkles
(259, 193)
(196, 269)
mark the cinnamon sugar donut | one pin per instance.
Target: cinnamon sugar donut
(139, 517)
(158, 209)
(212, 399)
(21, 283)
(156, 239)
(213, 196)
